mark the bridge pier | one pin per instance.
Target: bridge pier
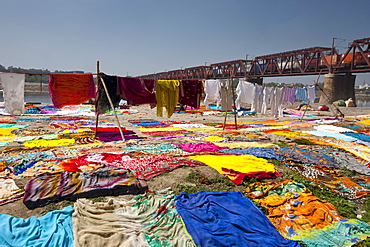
(256, 80)
(338, 86)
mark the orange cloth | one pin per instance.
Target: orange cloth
(71, 89)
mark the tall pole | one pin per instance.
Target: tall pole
(232, 89)
(331, 56)
(96, 98)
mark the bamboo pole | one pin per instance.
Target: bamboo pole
(112, 106)
(96, 98)
(235, 118)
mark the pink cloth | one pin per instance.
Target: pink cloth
(199, 147)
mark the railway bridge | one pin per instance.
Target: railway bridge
(338, 69)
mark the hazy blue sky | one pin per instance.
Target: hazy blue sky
(146, 36)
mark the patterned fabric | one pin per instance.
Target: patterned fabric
(190, 92)
(306, 156)
(47, 188)
(356, 149)
(71, 89)
(227, 219)
(266, 153)
(326, 177)
(148, 167)
(199, 147)
(155, 149)
(162, 224)
(298, 215)
(147, 220)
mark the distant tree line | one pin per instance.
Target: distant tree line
(34, 78)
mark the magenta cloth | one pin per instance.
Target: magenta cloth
(199, 147)
(190, 92)
(137, 91)
(289, 94)
(71, 89)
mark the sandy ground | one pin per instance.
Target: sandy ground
(18, 209)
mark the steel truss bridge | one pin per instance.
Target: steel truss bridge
(309, 61)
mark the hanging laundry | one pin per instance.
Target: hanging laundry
(301, 94)
(13, 85)
(257, 99)
(277, 102)
(266, 98)
(71, 89)
(212, 91)
(245, 93)
(226, 95)
(167, 95)
(191, 92)
(289, 94)
(311, 94)
(137, 91)
(102, 103)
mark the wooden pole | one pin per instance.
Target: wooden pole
(112, 106)
(235, 117)
(96, 98)
(41, 83)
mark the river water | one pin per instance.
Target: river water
(45, 98)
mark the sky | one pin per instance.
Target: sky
(140, 37)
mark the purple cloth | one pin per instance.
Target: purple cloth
(108, 136)
(289, 94)
(137, 91)
(199, 147)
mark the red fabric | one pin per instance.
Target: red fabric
(71, 89)
(257, 174)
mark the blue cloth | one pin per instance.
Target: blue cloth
(147, 123)
(359, 136)
(227, 219)
(52, 229)
(301, 94)
(330, 134)
(266, 153)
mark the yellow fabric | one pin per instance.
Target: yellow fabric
(238, 163)
(243, 144)
(167, 96)
(214, 138)
(49, 143)
(202, 129)
(268, 122)
(366, 122)
(6, 131)
(288, 133)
